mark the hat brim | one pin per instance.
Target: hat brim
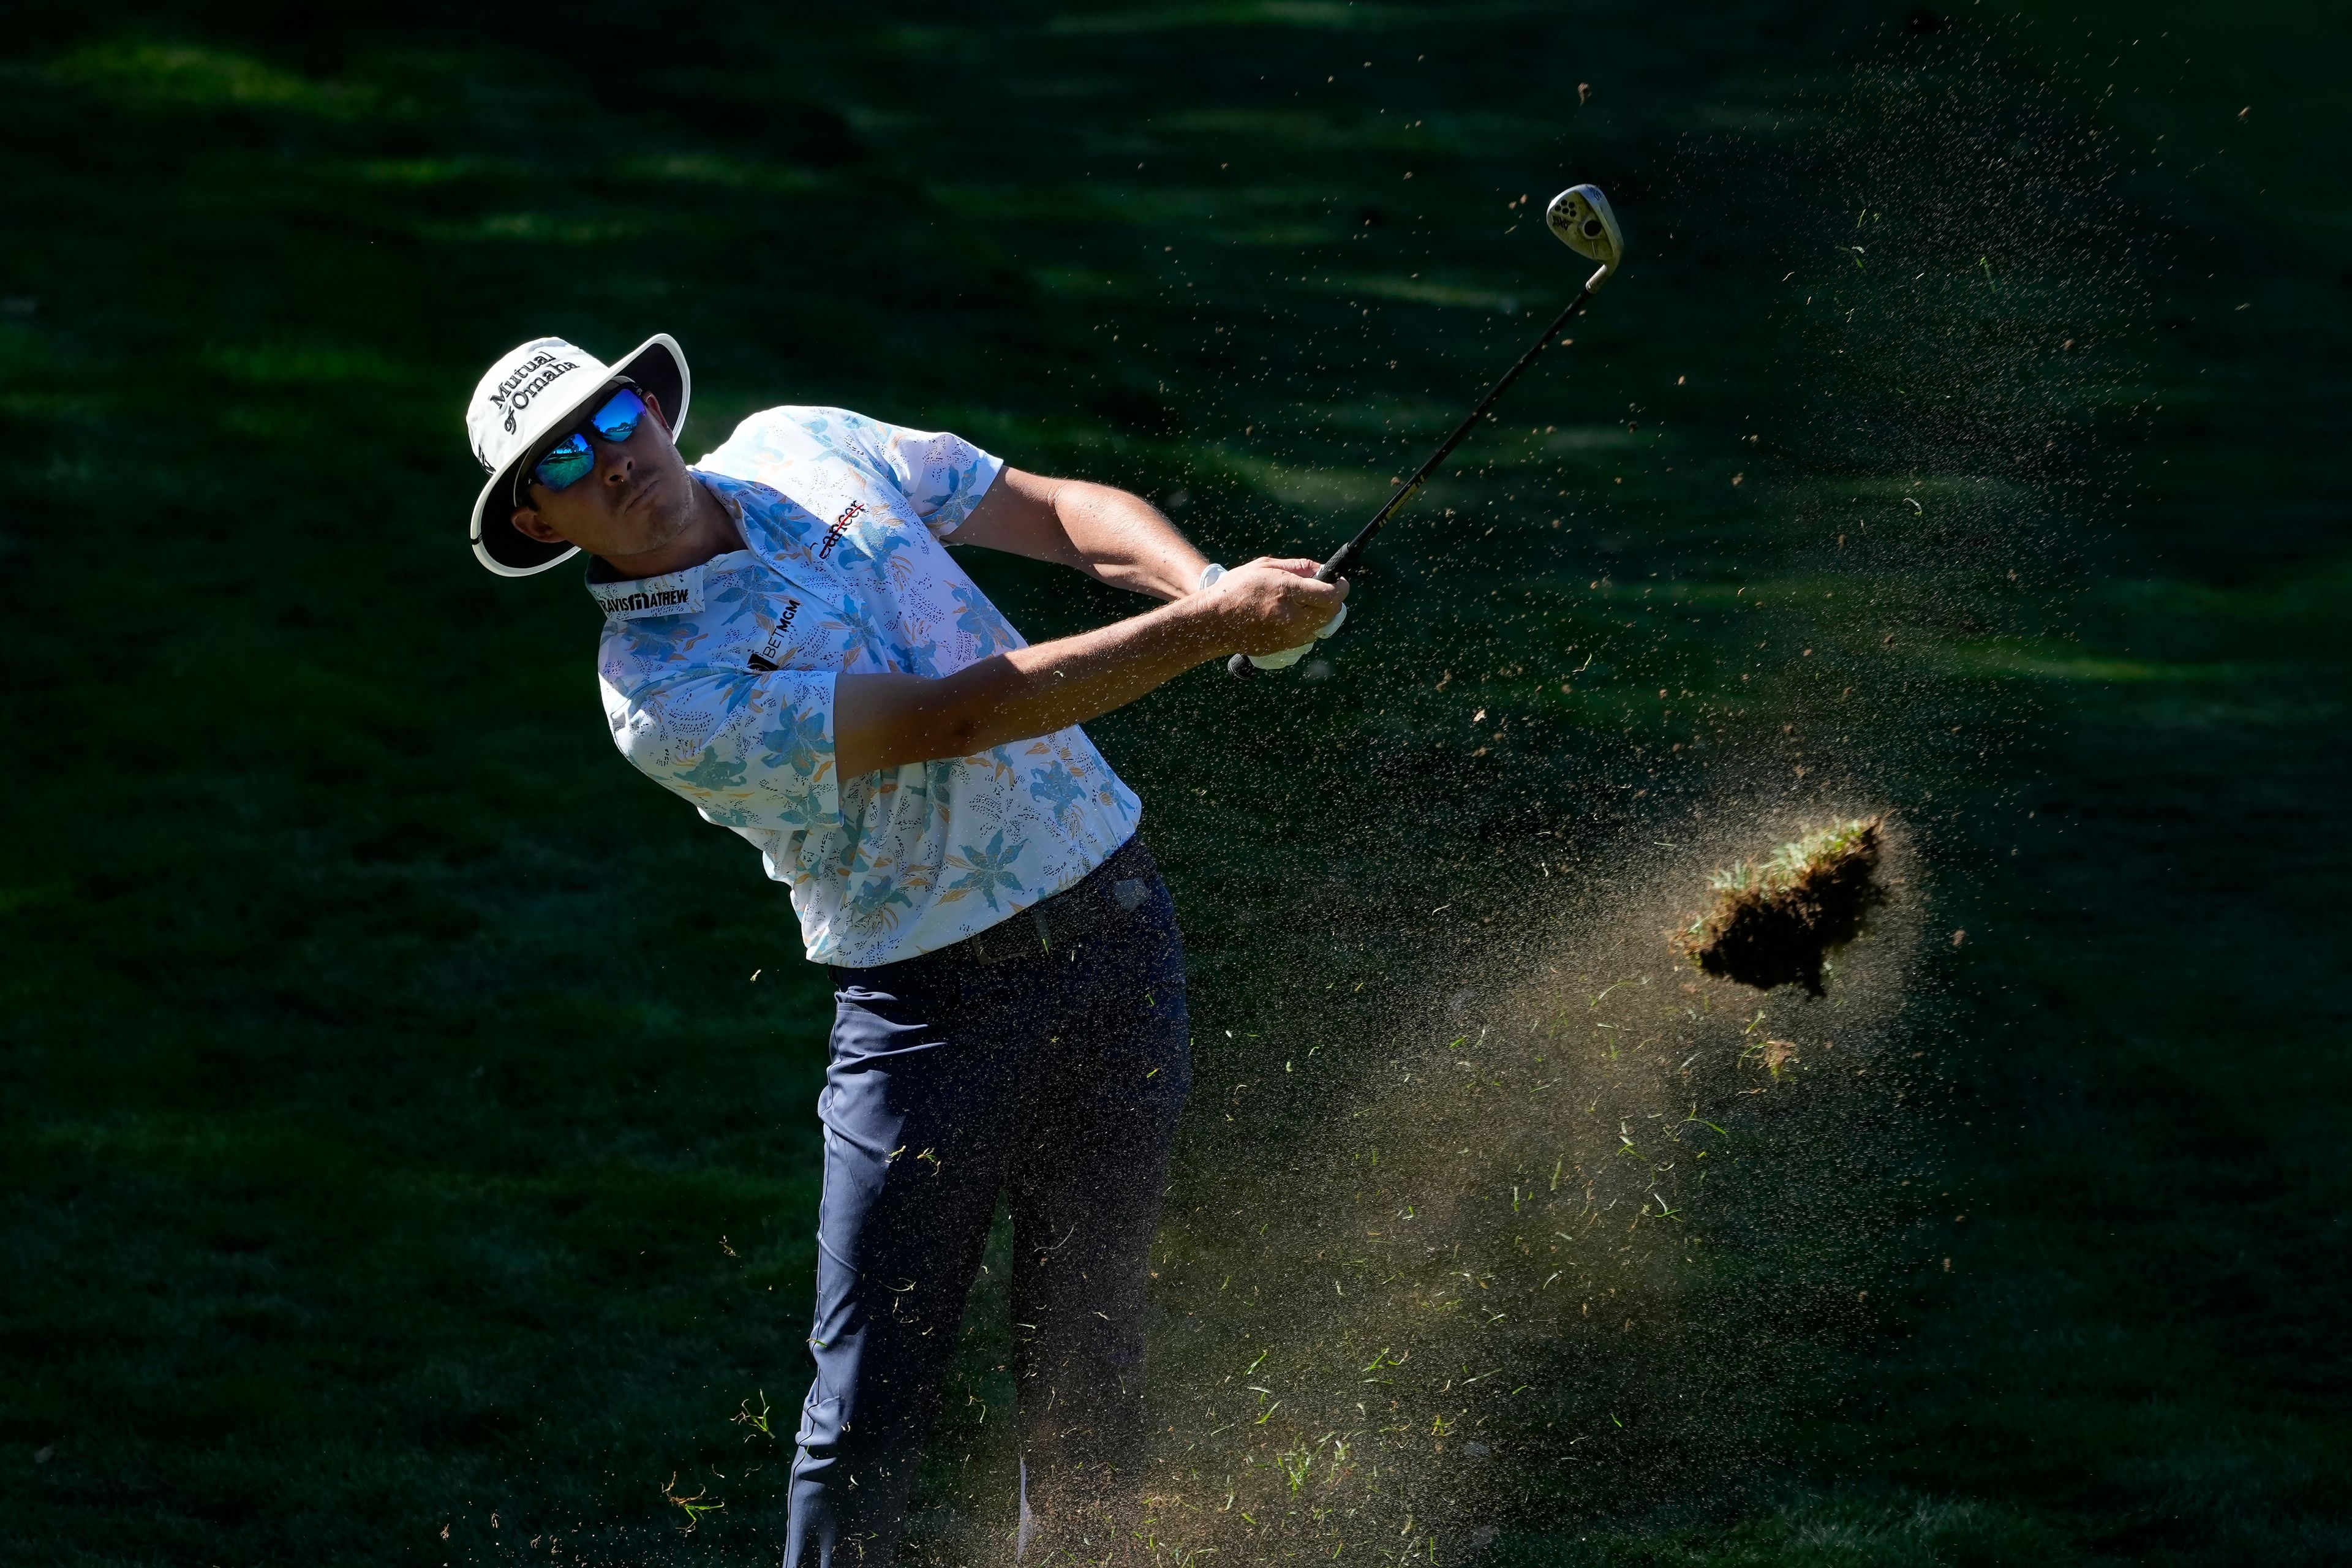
(658, 365)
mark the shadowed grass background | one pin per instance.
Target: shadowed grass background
(404, 1164)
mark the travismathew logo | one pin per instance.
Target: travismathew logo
(678, 594)
(767, 657)
(528, 380)
(840, 526)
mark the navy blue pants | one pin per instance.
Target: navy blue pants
(1055, 1078)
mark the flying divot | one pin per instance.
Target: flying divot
(1580, 216)
(1775, 923)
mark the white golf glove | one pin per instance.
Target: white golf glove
(1289, 655)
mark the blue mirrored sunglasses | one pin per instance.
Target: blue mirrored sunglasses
(573, 458)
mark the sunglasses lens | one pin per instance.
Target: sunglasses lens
(567, 464)
(618, 420)
(570, 459)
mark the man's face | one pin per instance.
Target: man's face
(637, 499)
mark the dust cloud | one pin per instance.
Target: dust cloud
(1512, 1263)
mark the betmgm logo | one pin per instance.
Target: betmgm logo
(769, 656)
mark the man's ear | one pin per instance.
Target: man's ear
(661, 415)
(531, 525)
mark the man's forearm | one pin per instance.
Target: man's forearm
(1123, 540)
(888, 721)
(1108, 534)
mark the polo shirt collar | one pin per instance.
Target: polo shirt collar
(680, 593)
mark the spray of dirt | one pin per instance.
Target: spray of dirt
(1510, 1258)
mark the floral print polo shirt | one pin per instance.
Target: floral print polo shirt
(719, 683)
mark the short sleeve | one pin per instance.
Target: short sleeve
(746, 749)
(942, 475)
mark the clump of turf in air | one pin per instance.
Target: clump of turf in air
(1774, 922)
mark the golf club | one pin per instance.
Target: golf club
(1580, 217)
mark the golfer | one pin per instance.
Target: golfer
(789, 647)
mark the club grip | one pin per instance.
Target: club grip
(1240, 667)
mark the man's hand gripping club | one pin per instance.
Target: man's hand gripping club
(1286, 658)
(1268, 606)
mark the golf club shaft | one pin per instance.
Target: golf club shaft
(1344, 562)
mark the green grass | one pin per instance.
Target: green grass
(1791, 860)
(405, 1110)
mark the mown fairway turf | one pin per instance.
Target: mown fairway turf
(408, 1149)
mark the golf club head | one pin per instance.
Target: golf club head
(1580, 216)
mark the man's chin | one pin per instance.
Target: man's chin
(653, 534)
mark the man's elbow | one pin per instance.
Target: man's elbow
(959, 733)
(958, 716)
(980, 706)
(898, 720)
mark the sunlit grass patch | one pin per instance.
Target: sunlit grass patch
(424, 172)
(1564, 440)
(1304, 485)
(714, 169)
(1392, 419)
(188, 76)
(535, 227)
(1428, 291)
(22, 402)
(35, 895)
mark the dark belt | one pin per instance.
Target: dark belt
(1109, 893)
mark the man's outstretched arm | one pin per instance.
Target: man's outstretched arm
(888, 721)
(1106, 534)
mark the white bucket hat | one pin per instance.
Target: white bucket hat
(532, 392)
